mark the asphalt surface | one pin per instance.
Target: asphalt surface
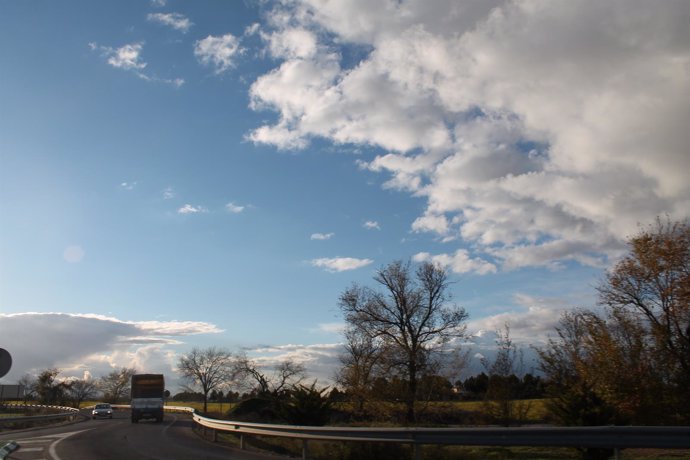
(118, 438)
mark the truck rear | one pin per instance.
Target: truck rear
(147, 397)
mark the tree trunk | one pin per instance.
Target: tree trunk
(411, 393)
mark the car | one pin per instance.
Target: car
(102, 410)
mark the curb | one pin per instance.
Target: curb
(7, 448)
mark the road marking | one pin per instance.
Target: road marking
(170, 424)
(53, 452)
(53, 439)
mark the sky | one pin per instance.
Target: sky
(178, 174)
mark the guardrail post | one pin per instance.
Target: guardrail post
(305, 449)
(417, 451)
(616, 453)
(241, 442)
(215, 435)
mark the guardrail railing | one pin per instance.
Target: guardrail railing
(65, 413)
(609, 437)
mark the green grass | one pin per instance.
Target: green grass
(214, 408)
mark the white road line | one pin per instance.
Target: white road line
(53, 452)
(170, 424)
(30, 449)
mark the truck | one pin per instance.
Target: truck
(148, 392)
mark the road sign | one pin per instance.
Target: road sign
(5, 362)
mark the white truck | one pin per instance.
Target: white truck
(148, 391)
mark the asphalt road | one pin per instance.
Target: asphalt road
(106, 439)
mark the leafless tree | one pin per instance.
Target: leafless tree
(80, 390)
(502, 395)
(411, 317)
(270, 381)
(116, 385)
(29, 383)
(361, 363)
(209, 368)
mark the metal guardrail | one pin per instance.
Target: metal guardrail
(611, 437)
(66, 413)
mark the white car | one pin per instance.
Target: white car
(102, 410)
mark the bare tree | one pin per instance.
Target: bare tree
(361, 363)
(209, 368)
(80, 390)
(502, 395)
(411, 318)
(271, 382)
(28, 382)
(116, 385)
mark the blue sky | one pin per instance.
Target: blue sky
(177, 174)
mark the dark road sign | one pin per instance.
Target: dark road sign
(5, 362)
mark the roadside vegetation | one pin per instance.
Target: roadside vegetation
(627, 362)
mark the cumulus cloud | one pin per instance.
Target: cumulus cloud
(190, 209)
(128, 57)
(322, 236)
(168, 193)
(371, 225)
(79, 343)
(538, 132)
(175, 20)
(340, 264)
(531, 322)
(218, 52)
(320, 360)
(460, 262)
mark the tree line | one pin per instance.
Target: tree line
(627, 362)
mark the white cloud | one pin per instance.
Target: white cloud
(371, 225)
(538, 132)
(340, 264)
(530, 323)
(460, 262)
(175, 20)
(128, 185)
(234, 208)
(292, 43)
(159, 3)
(331, 328)
(218, 52)
(322, 236)
(128, 57)
(190, 209)
(168, 193)
(320, 360)
(80, 343)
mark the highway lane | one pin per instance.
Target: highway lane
(115, 439)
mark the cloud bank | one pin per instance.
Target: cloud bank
(540, 133)
(78, 343)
